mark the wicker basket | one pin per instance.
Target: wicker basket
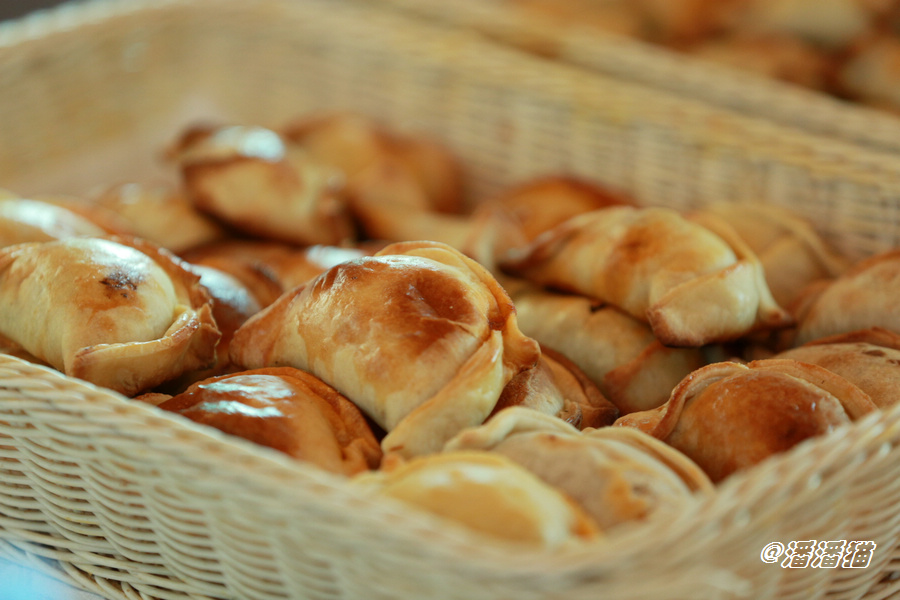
(633, 60)
(124, 500)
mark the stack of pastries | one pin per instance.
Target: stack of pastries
(548, 365)
(847, 48)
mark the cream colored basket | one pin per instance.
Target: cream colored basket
(124, 500)
(632, 60)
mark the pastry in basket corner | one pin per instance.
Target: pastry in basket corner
(282, 408)
(693, 283)
(525, 476)
(119, 312)
(729, 416)
(617, 475)
(487, 493)
(420, 337)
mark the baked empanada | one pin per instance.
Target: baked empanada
(250, 179)
(417, 171)
(616, 351)
(270, 268)
(23, 220)
(692, 285)
(791, 252)
(126, 317)
(286, 409)
(418, 336)
(232, 304)
(557, 387)
(864, 296)
(870, 359)
(514, 218)
(160, 214)
(729, 416)
(616, 475)
(485, 492)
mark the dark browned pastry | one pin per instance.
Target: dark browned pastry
(728, 416)
(286, 409)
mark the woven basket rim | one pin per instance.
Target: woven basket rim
(267, 469)
(691, 77)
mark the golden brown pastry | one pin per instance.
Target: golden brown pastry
(617, 475)
(541, 204)
(508, 221)
(729, 416)
(24, 220)
(692, 285)
(862, 297)
(870, 359)
(418, 336)
(249, 178)
(160, 214)
(791, 252)
(511, 220)
(126, 317)
(485, 492)
(232, 304)
(288, 410)
(617, 352)
(271, 268)
(557, 387)
(379, 164)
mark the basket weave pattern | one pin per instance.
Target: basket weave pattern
(132, 503)
(632, 60)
